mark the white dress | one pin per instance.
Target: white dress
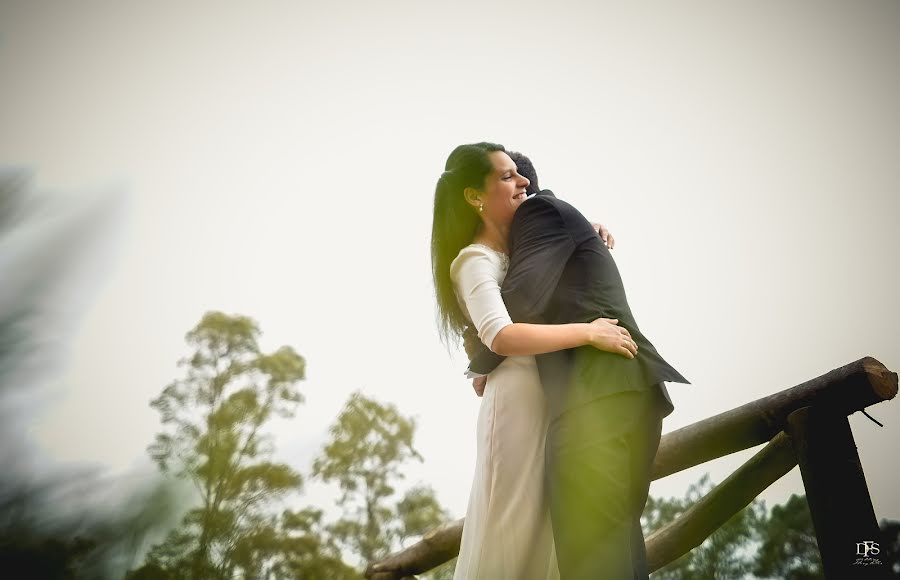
(507, 533)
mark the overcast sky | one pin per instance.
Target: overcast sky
(278, 160)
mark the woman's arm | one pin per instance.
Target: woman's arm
(521, 338)
(475, 282)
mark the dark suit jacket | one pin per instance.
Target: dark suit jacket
(560, 271)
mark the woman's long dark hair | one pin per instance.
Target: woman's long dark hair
(454, 225)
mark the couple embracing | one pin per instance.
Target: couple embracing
(572, 409)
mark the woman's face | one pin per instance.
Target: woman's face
(504, 190)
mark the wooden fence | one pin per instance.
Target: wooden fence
(806, 424)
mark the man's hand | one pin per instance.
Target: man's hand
(473, 345)
(605, 235)
(471, 342)
(478, 384)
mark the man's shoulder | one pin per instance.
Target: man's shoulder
(544, 202)
(539, 202)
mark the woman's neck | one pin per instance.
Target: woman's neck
(493, 236)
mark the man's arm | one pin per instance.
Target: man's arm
(482, 359)
(541, 247)
(528, 236)
(602, 231)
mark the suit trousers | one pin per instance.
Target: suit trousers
(599, 458)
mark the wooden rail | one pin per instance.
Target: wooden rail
(838, 393)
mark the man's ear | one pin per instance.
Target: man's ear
(473, 196)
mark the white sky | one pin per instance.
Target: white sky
(281, 160)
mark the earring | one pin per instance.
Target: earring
(481, 207)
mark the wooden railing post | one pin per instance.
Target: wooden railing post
(843, 517)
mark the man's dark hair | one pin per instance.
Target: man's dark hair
(525, 169)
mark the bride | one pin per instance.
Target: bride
(507, 532)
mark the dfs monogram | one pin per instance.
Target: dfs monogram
(866, 548)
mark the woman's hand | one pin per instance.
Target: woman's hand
(606, 334)
(604, 234)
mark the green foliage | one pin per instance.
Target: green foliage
(149, 572)
(779, 545)
(890, 537)
(419, 512)
(56, 520)
(789, 549)
(45, 557)
(309, 550)
(369, 444)
(215, 417)
(726, 554)
(287, 547)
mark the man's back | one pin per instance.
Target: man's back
(561, 272)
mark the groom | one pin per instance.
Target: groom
(605, 409)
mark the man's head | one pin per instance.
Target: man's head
(525, 169)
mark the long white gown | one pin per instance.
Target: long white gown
(507, 533)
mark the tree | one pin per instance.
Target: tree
(789, 549)
(215, 417)
(295, 545)
(310, 552)
(369, 444)
(726, 554)
(419, 512)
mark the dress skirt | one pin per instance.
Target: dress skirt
(507, 533)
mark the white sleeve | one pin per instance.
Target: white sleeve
(476, 284)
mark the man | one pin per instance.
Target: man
(605, 410)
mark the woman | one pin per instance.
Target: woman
(507, 534)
